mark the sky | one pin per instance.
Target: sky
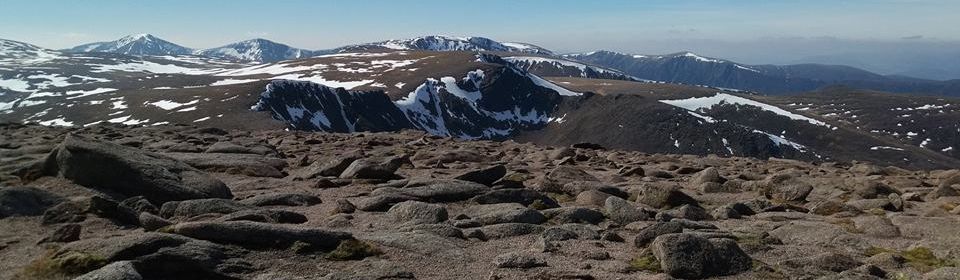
(752, 31)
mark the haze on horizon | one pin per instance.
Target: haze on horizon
(908, 37)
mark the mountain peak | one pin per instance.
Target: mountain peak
(135, 44)
(453, 43)
(256, 49)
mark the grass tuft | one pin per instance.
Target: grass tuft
(353, 250)
(62, 266)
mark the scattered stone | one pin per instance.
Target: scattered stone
(140, 204)
(284, 199)
(64, 233)
(709, 175)
(368, 169)
(942, 191)
(834, 262)
(565, 215)
(151, 222)
(873, 189)
(876, 226)
(592, 198)
(265, 216)
(344, 206)
(517, 260)
(122, 270)
(555, 180)
(330, 168)
(557, 234)
(509, 230)
(651, 232)
(65, 212)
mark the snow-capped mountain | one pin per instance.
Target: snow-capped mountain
(693, 69)
(450, 43)
(259, 50)
(14, 52)
(139, 44)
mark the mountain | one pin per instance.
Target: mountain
(449, 43)
(690, 68)
(139, 44)
(14, 52)
(470, 95)
(258, 50)
(560, 67)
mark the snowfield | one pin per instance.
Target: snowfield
(700, 103)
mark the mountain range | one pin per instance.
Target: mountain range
(503, 94)
(683, 67)
(690, 68)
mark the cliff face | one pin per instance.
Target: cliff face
(481, 104)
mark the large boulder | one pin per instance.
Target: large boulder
(246, 164)
(709, 175)
(623, 212)
(664, 196)
(786, 188)
(331, 167)
(370, 169)
(130, 171)
(555, 180)
(25, 201)
(260, 235)
(522, 196)
(284, 199)
(690, 256)
(427, 190)
(489, 214)
(196, 207)
(415, 212)
(486, 176)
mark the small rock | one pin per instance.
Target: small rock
(151, 222)
(664, 196)
(565, 215)
(64, 233)
(649, 233)
(486, 176)
(517, 260)
(344, 206)
(623, 212)
(592, 198)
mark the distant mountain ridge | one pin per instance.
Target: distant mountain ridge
(690, 68)
(450, 43)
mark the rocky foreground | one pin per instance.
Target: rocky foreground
(180, 202)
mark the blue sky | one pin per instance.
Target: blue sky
(739, 29)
